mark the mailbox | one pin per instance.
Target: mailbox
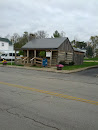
(44, 62)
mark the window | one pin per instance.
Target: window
(10, 54)
(3, 55)
(2, 44)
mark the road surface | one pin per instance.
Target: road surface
(37, 100)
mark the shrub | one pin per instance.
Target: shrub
(21, 53)
(71, 63)
(42, 53)
(62, 62)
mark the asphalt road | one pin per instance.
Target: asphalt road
(37, 100)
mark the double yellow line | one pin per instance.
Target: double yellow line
(51, 93)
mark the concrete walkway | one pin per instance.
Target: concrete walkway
(90, 60)
(52, 69)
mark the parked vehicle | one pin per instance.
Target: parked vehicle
(8, 56)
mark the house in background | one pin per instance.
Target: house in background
(5, 45)
(57, 49)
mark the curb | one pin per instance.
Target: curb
(51, 69)
(82, 69)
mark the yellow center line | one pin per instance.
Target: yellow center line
(52, 93)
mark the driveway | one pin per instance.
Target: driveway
(38, 100)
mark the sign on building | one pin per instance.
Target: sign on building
(48, 54)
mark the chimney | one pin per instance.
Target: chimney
(32, 36)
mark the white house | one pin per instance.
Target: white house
(7, 49)
(5, 45)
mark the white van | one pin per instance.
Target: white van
(8, 56)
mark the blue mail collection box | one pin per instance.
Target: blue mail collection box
(44, 62)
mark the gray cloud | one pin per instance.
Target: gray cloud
(78, 18)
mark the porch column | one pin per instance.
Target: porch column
(24, 53)
(27, 56)
(51, 58)
(34, 56)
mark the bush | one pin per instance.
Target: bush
(21, 53)
(62, 62)
(42, 54)
(71, 63)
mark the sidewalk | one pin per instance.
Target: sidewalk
(90, 60)
(52, 69)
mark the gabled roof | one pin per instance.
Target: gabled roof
(6, 40)
(46, 43)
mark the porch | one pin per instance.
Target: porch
(32, 57)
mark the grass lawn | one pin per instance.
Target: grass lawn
(95, 58)
(85, 64)
(13, 63)
(73, 67)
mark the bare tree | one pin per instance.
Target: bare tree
(62, 34)
(41, 34)
(8, 36)
(15, 38)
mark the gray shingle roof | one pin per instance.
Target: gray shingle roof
(45, 43)
(77, 49)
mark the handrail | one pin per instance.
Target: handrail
(25, 58)
(32, 59)
(37, 60)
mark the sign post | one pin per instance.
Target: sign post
(12, 58)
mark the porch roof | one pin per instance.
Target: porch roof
(46, 43)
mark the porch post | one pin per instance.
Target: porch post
(27, 56)
(51, 58)
(34, 56)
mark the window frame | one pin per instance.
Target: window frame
(2, 44)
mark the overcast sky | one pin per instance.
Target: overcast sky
(77, 18)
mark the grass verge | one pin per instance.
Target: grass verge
(73, 67)
(85, 64)
(95, 58)
(13, 63)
